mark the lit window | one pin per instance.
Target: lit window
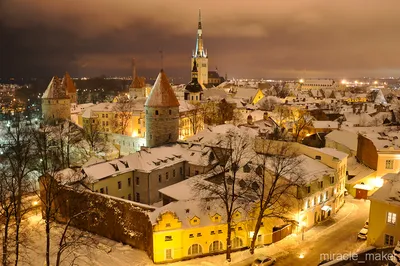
(389, 240)
(389, 164)
(391, 218)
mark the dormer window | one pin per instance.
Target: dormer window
(125, 163)
(115, 166)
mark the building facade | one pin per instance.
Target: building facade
(384, 224)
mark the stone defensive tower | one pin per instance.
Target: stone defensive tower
(56, 104)
(162, 113)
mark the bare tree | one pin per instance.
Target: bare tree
(123, 113)
(72, 240)
(276, 177)
(225, 187)
(301, 119)
(66, 136)
(268, 103)
(16, 166)
(196, 117)
(94, 137)
(298, 119)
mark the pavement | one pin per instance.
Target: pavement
(336, 236)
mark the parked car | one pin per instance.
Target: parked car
(363, 234)
(263, 261)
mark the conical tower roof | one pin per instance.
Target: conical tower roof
(137, 83)
(162, 94)
(54, 90)
(68, 83)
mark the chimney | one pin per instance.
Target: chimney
(133, 68)
(249, 120)
(265, 116)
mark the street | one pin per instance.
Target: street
(334, 237)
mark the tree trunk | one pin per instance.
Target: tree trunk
(47, 240)
(18, 218)
(5, 242)
(228, 241)
(256, 229)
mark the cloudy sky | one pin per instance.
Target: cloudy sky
(252, 38)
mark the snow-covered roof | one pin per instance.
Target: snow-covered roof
(149, 160)
(215, 94)
(389, 192)
(245, 93)
(357, 170)
(325, 124)
(186, 210)
(185, 106)
(345, 138)
(313, 169)
(332, 152)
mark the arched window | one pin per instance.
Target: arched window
(237, 242)
(216, 246)
(195, 249)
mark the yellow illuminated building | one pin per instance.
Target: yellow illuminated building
(108, 118)
(259, 95)
(384, 214)
(184, 230)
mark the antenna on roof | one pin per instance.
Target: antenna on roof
(162, 59)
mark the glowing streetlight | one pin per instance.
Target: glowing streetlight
(301, 256)
(344, 81)
(301, 80)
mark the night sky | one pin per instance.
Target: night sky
(253, 38)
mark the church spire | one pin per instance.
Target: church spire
(199, 42)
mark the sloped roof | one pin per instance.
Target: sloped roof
(162, 95)
(138, 82)
(68, 83)
(54, 90)
(194, 86)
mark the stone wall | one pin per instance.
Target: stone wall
(162, 125)
(114, 218)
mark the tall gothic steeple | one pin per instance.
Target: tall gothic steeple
(199, 41)
(200, 54)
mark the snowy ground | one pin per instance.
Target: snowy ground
(33, 252)
(338, 235)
